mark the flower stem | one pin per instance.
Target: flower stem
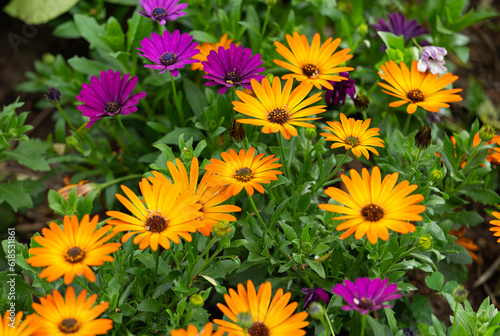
(319, 185)
(329, 323)
(358, 259)
(474, 152)
(264, 26)
(363, 324)
(284, 160)
(176, 100)
(65, 116)
(118, 180)
(127, 133)
(153, 278)
(258, 215)
(407, 124)
(200, 256)
(454, 319)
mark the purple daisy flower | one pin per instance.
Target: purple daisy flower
(432, 59)
(366, 295)
(169, 52)
(162, 10)
(108, 96)
(313, 295)
(340, 90)
(233, 66)
(399, 25)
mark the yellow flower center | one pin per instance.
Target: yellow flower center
(278, 116)
(243, 174)
(112, 107)
(415, 95)
(156, 223)
(69, 326)
(311, 71)
(372, 213)
(352, 141)
(74, 255)
(258, 329)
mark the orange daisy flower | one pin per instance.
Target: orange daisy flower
(268, 317)
(496, 225)
(192, 331)
(243, 170)
(83, 188)
(72, 251)
(70, 315)
(313, 64)
(417, 88)
(355, 135)
(276, 110)
(205, 49)
(210, 196)
(12, 326)
(373, 206)
(167, 215)
(493, 155)
(465, 242)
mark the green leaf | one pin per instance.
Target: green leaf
(91, 31)
(87, 66)
(316, 267)
(35, 12)
(202, 36)
(115, 38)
(392, 41)
(15, 195)
(67, 30)
(467, 218)
(221, 269)
(487, 197)
(31, 154)
(435, 281)
(197, 99)
(150, 305)
(289, 232)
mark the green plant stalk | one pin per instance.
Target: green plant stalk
(407, 124)
(127, 133)
(264, 26)
(176, 100)
(282, 151)
(200, 256)
(454, 319)
(358, 259)
(254, 207)
(363, 324)
(65, 116)
(418, 158)
(155, 273)
(319, 185)
(189, 317)
(474, 152)
(327, 319)
(118, 180)
(84, 285)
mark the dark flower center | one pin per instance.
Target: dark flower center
(310, 71)
(258, 329)
(352, 141)
(113, 107)
(74, 255)
(415, 95)
(366, 303)
(232, 77)
(168, 59)
(159, 13)
(278, 116)
(243, 174)
(69, 326)
(156, 223)
(372, 213)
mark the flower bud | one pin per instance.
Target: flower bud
(487, 132)
(53, 94)
(187, 154)
(196, 300)
(483, 317)
(361, 102)
(270, 77)
(244, 320)
(363, 29)
(423, 137)
(221, 229)
(316, 310)
(436, 175)
(310, 133)
(460, 293)
(425, 242)
(271, 2)
(236, 132)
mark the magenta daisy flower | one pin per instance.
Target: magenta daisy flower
(162, 10)
(233, 66)
(169, 52)
(365, 295)
(314, 295)
(108, 96)
(340, 90)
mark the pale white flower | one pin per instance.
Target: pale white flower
(432, 59)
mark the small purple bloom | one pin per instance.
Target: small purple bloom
(108, 96)
(365, 295)
(399, 25)
(169, 52)
(340, 90)
(162, 10)
(233, 66)
(314, 294)
(432, 59)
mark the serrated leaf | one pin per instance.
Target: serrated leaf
(31, 154)
(15, 195)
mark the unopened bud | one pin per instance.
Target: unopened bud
(363, 29)
(270, 77)
(187, 154)
(53, 94)
(424, 242)
(221, 229)
(460, 293)
(361, 102)
(236, 132)
(244, 320)
(310, 133)
(436, 175)
(196, 300)
(271, 2)
(423, 137)
(316, 310)
(487, 132)
(483, 317)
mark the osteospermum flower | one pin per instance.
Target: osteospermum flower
(365, 295)
(417, 88)
(277, 110)
(340, 90)
(243, 170)
(373, 206)
(355, 135)
(496, 225)
(432, 60)
(83, 188)
(167, 215)
(12, 326)
(265, 316)
(108, 96)
(192, 331)
(210, 196)
(314, 295)
(313, 64)
(60, 316)
(205, 49)
(169, 51)
(162, 10)
(231, 67)
(397, 24)
(72, 250)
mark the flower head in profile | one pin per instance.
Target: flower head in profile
(192, 331)
(169, 52)
(276, 110)
(210, 196)
(263, 314)
(58, 316)
(205, 49)
(417, 88)
(231, 67)
(108, 95)
(72, 250)
(496, 225)
(432, 60)
(397, 24)
(373, 206)
(340, 90)
(243, 170)
(83, 188)
(465, 242)
(166, 215)
(366, 295)
(314, 295)
(162, 11)
(14, 327)
(316, 64)
(355, 135)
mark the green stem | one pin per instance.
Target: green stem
(153, 278)
(364, 115)
(363, 324)
(474, 152)
(264, 26)
(454, 319)
(319, 185)
(190, 316)
(127, 133)
(282, 151)
(65, 116)
(329, 323)
(81, 283)
(358, 259)
(176, 100)
(118, 180)
(258, 215)
(200, 256)
(407, 124)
